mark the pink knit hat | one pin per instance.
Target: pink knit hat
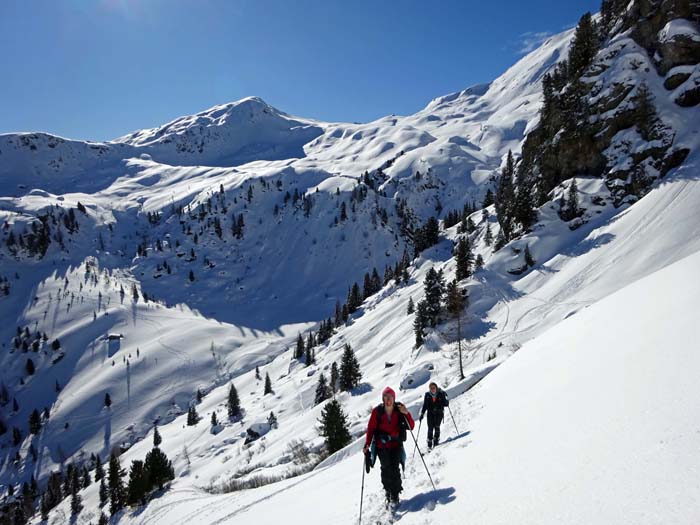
(388, 391)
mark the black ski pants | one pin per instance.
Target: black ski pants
(390, 461)
(434, 421)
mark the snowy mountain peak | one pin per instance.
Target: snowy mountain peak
(228, 134)
(232, 113)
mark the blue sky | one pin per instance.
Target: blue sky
(98, 69)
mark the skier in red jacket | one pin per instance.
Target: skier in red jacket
(387, 427)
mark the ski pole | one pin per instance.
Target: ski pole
(453, 419)
(420, 453)
(362, 490)
(420, 422)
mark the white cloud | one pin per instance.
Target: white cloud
(532, 40)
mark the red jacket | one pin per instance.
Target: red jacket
(387, 426)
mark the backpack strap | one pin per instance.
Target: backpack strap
(383, 437)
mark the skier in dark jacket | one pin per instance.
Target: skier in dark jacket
(434, 404)
(387, 427)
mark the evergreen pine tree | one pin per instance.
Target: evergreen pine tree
(214, 420)
(571, 209)
(488, 236)
(354, 298)
(433, 295)
(99, 470)
(334, 427)
(584, 46)
(505, 197)
(192, 416)
(420, 322)
(524, 212)
(501, 241)
(335, 377)
(29, 367)
(645, 114)
(138, 484)
(108, 400)
(388, 275)
(432, 232)
(322, 390)
(299, 352)
(157, 439)
(479, 263)
(367, 287)
(411, 306)
(103, 519)
(376, 281)
(268, 385)
(488, 199)
(117, 492)
(158, 468)
(76, 502)
(233, 404)
(104, 493)
(338, 314)
(309, 356)
(34, 422)
(257, 373)
(350, 374)
(85, 478)
(464, 259)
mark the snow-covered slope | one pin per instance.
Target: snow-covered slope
(599, 404)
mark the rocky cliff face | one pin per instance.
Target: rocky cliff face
(613, 110)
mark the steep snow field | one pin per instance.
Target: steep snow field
(599, 405)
